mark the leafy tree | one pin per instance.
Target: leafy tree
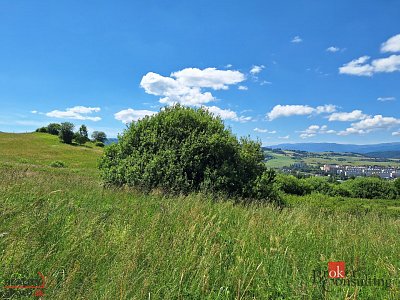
(183, 150)
(66, 133)
(79, 138)
(83, 132)
(370, 188)
(53, 128)
(396, 184)
(99, 136)
(42, 129)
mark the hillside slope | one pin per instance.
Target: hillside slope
(93, 242)
(40, 149)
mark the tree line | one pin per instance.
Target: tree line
(66, 134)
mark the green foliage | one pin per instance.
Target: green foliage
(360, 187)
(54, 128)
(83, 132)
(42, 129)
(66, 133)
(396, 185)
(183, 150)
(79, 139)
(292, 185)
(57, 164)
(371, 188)
(99, 136)
(99, 144)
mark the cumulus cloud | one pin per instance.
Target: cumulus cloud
(313, 130)
(371, 124)
(298, 110)
(227, 114)
(357, 67)
(242, 88)
(384, 99)
(361, 67)
(76, 112)
(348, 116)
(332, 49)
(392, 44)
(297, 39)
(256, 69)
(261, 130)
(186, 86)
(128, 115)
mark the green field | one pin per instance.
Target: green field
(288, 157)
(93, 242)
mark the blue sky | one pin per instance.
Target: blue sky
(280, 71)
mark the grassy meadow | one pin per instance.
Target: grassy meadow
(93, 242)
(280, 160)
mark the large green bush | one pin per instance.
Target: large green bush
(183, 150)
(371, 188)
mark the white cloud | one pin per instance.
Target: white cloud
(34, 111)
(396, 133)
(242, 88)
(208, 78)
(289, 110)
(297, 39)
(284, 137)
(371, 124)
(129, 115)
(229, 66)
(357, 67)
(329, 108)
(256, 69)
(384, 99)
(76, 112)
(298, 110)
(313, 130)
(360, 67)
(348, 116)
(332, 49)
(186, 86)
(227, 114)
(261, 130)
(307, 135)
(392, 44)
(387, 65)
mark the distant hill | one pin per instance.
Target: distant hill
(111, 141)
(324, 147)
(384, 154)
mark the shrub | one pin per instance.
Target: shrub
(370, 188)
(396, 185)
(79, 139)
(99, 136)
(292, 185)
(54, 128)
(183, 150)
(318, 184)
(57, 164)
(42, 129)
(99, 144)
(66, 133)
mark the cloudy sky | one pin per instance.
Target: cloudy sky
(280, 71)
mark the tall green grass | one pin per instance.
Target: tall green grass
(96, 243)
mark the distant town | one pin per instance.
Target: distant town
(355, 171)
